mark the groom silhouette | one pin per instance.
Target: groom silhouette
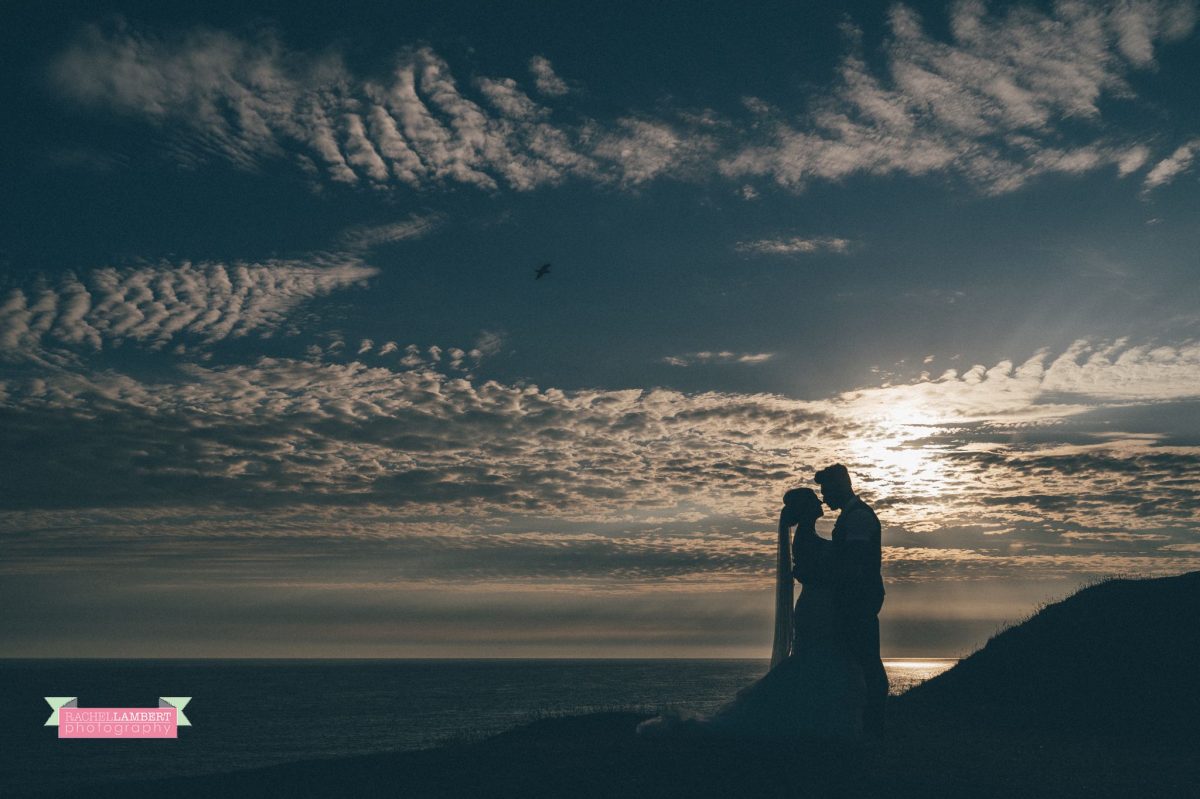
(858, 586)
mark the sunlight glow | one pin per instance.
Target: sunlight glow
(891, 458)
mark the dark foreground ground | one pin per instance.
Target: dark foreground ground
(1098, 695)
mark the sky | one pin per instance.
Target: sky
(277, 379)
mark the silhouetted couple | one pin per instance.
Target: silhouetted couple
(826, 679)
(847, 570)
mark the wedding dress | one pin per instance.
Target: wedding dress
(815, 691)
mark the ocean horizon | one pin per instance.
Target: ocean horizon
(253, 712)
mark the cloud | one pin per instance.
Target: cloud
(1138, 24)
(993, 105)
(1098, 435)
(640, 150)
(157, 304)
(723, 357)
(249, 100)
(281, 430)
(1063, 465)
(453, 359)
(489, 343)
(1042, 387)
(366, 237)
(348, 610)
(795, 245)
(546, 80)
(989, 106)
(1171, 167)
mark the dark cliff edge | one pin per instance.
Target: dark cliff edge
(1096, 695)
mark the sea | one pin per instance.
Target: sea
(250, 713)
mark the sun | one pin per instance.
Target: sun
(892, 457)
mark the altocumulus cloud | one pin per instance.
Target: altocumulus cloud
(1018, 466)
(1044, 387)
(187, 303)
(1098, 439)
(546, 79)
(990, 105)
(993, 105)
(283, 430)
(154, 305)
(249, 100)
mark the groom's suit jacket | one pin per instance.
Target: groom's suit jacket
(857, 555)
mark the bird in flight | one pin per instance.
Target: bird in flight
(541, 271)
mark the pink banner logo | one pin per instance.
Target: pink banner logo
(73, 721)
(116, 722)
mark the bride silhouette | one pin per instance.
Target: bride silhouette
(814, 688)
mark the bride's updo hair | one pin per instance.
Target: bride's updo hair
(803, 499)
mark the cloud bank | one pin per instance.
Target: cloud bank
(251, 100)
(327, 493)
(997, 104)
(992, 105)
(1023, 467)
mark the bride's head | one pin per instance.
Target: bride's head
(804, 504)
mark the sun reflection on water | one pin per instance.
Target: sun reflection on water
(906, 674)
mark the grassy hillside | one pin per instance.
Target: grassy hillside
(1121, 652)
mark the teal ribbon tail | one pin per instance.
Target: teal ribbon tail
(179, 703)
(56, 703)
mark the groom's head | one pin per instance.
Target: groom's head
(835, 485)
